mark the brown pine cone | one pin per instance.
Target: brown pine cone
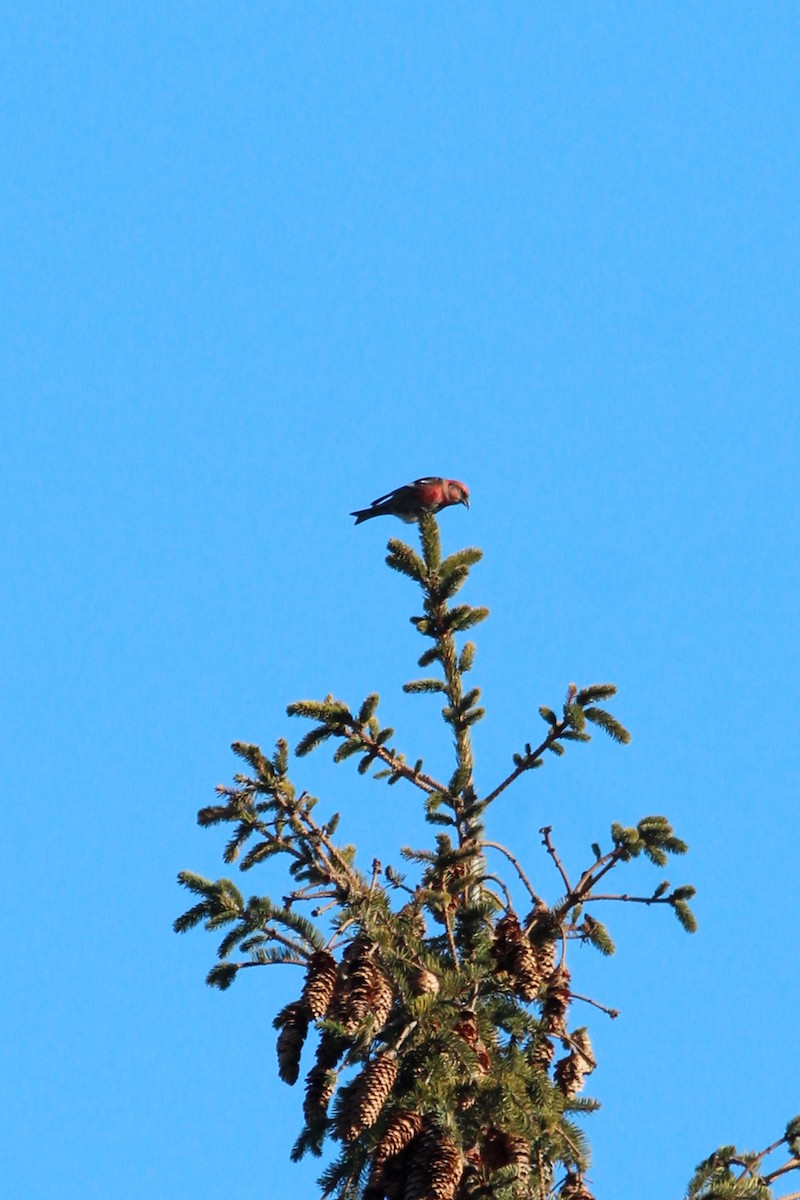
(320, 983)
(446, 1168)
(526, 974)
(507, 934)
(556, 1002)
(521, 1157)
(573, 1188)
(513, 953)
(466, 1027)
(570, 1072)
(545, 954)
(381, 1002)
(401, 1129)
(424, 983)
(436, 1166)
(320, 1086)
(501, 1149)
(541, 1052)
(293, 1024)
(355, 984)
(369, 1095)
(395, 1174)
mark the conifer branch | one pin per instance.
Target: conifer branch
(310, 894)
(359, 734)
(714, 1175)
(274, 936)
(271, 962)
(571, 726)
(439, 581)
(339, 869)
(396, 763)
(531, 758)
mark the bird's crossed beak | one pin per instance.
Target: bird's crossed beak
(465, 501)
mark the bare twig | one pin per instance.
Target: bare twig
(593, 874)
(792, 1165)
(497, 846)
(274, 936)
(309, 894)
(545, 831)
(612, 1012)
(766, 1151)
(494, 895)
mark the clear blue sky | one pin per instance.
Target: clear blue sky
(261, 263)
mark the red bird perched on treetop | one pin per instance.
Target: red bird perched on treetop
(423, 495)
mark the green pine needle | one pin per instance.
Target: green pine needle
(259, 853)
(196, 883)
(464, 616)
(466, 658)
(367, 710)
(430, 540)
(450, 584)
(685, 916)
(314, 738)
(575, 715)
(595, 691)
(431, 655)
(461, 558)
(222, 975)
(598, 936)
(609, 724)
(348, 749)
(194, 916)
(425, 685)
(405, 560)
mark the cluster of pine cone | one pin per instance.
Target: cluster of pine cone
(530, 965)
(414, 1160)
(415, 1157)
(356, 995)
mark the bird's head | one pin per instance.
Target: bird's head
(457, 493)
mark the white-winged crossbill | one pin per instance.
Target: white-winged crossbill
(423, 495)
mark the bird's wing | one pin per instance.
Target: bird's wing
(426, 481)
(388, 496)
